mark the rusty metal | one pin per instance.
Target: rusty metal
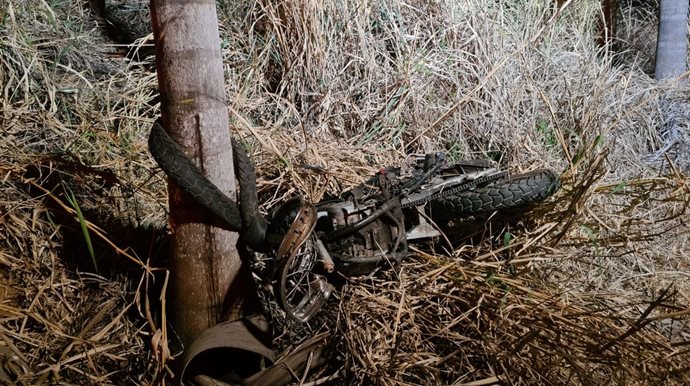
(326, 260)
(299, 231)
(296, 260)
(243, 337)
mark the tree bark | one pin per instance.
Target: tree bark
(607, 24)
(672, 47)
(208, 282)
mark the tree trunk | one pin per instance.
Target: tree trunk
(671, 48)
(208, 282)
(607, 24)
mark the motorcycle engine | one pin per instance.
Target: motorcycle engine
(369, 243)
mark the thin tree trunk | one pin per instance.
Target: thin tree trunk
(607, 24)
(204, 261)
(672, 47)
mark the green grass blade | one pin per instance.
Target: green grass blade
(72, 199)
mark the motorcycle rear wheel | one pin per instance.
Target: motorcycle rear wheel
(505, 195)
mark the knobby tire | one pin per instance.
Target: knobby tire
(185, 174)
(512, 193)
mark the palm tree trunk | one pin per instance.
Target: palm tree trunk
(672, 48)
(208, 282)
(607, 24)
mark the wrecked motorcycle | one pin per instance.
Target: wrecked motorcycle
(311, 245)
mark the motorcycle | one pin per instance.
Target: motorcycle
(311, 245)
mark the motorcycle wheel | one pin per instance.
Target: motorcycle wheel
(504, 195)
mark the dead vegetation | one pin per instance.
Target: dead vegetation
(590, 289)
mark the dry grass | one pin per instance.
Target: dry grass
(590, 289)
